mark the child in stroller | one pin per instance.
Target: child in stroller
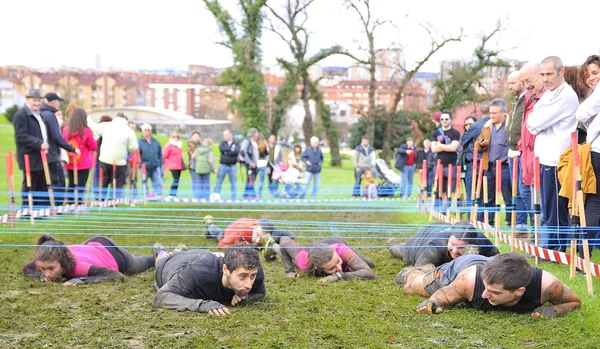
(293, 176)
(390, 180)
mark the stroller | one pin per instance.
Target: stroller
(391, 180)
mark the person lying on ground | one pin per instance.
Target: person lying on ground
(331, 258)
(212, 231)
(208, 282)
(96, 260)
(507, 282)
(439, 243)
(426, 280)
(251, 231)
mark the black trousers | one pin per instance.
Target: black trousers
(57, 178)
(120, 175)
(39, 190)
(82, 178)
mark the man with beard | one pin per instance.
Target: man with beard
(207, 282)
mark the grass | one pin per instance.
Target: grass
(296, 313)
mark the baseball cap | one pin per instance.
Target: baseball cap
(51, 96)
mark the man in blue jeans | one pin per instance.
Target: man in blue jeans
(227, 164)
(313, 158)
(151, 154)
(406, 159)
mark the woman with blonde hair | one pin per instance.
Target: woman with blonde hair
(172, 156)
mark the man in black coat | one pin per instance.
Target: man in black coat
(55, 142)
(31, 136)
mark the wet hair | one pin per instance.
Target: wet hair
(105, 118)
(572, 74)
(593, 59)
(50, 249)
(77, 122)
(512, 270)
(319, 254)
(242, 255)
(466, 232)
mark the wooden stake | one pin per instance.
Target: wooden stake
(513, 218)
(475, 210)
(457, 192)
(28, 182)
(497, 201)
(435, 188)
(536, 204)
(449, 191)
(10, 184)
(144, 186)
(114, 183)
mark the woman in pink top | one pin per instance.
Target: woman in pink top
(331, 258)
(79, 135)
(173, 161)
(96, 260)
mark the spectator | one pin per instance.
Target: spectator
(249, 156)
(369, 185)
(530, 75)
(263, 160)
(406, 159)
(55, 142)
(313, 158)
(133, 164)
(117, 141)
(275, 158)
(467, 144)
(229, 156)
(78, 133)
(172, 154)
(492, 143)
(151, 155)
(364, 159)
(445, 142)
(31, 136)
(552, 121)
(193, 144)
(294, 174)
(513, 132)
(205, 164)
(95, 183)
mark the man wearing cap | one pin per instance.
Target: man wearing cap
(406, 160)
(31, 136)
(55, 142)
(445, 142)
(151, 155)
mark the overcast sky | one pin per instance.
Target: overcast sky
(134, 34)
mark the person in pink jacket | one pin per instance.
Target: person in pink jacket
(79, 135)
(173, 161)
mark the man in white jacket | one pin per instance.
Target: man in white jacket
(553, 120)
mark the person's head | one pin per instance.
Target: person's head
(208, 219)
(272, 140)
(497, 110)
(196, 137)
(470, 249)
(410, 141)
(505, 278)
(324, 259)
(227, 136)
(241, 265)
(515, 83)
(462, 234)
(33, 99)
(132, 126)
(253, 134)
(367, 174)
(77, 122)
(531, 77)
(553, 72)
(470, 120)
(314, 142)
(446, 120)
(590, 71)
(298, 148)
(104, 118)
(364, 141)
(73, 106)
(572, 79)
(207, 142)
(261, 142)
(121, 115)
(53, 100)
(146, 130)
(175, 136)
(435, 118)
(427, 144)
(53, 257)
(59, 115)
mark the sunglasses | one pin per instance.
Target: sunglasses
(444, 119)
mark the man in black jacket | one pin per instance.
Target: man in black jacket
(55, 142)
(229, 155)
(31, 136)
(208, 282)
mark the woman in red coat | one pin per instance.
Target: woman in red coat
(79, 135)
(173, 161)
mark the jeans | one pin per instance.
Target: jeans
(554, 227)
(316, 178)
(506, 193)
(204, 183)
(231, 171)
(357, 180)
(176, 174)
(131, 181)
(522, 207)
(195, 183)
(261, 179)
(156, 178)
(407, 180)
(469, 183)
(249, 192)
(430, 175)
(96, 180)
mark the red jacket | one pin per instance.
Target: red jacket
(172, 157)
(240, 230)
(525, 144)
(86, 145)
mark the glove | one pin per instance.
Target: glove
(429, 307)
(545, 312)
(210, 305)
